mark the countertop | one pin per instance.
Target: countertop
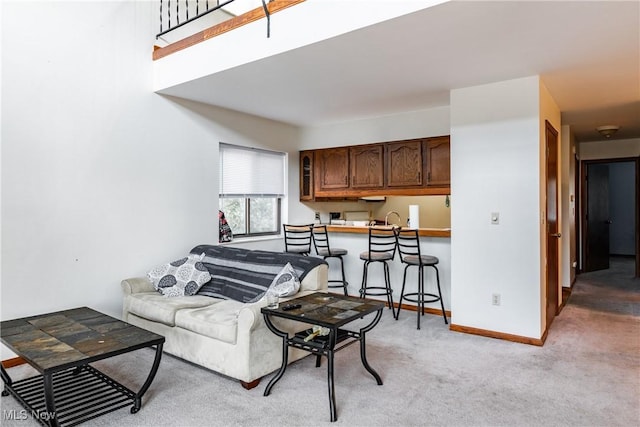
(426, 232)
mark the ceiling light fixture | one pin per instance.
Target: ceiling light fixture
(607, 130)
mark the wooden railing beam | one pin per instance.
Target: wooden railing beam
(216, 30)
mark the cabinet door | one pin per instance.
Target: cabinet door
(404, 164)
(438, 162)
(306, 175)
(332, 168)
(367, 166)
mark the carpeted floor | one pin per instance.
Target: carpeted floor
(586, 374)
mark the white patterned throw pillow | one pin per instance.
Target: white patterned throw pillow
(286, 283)
(180, 278)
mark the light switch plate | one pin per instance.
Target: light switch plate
(495, 218)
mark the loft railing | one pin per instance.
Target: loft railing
(204, 27)
(178, 13)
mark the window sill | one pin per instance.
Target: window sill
(239, 240)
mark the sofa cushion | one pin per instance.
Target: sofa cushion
(244, 275)
(179, 278)
(286, 283)
(158, 308)
(219, 321)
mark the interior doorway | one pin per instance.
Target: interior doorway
(610, 210)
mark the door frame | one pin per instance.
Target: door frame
(553, 253)
(583, 208)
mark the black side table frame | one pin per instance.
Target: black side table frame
(325, 348)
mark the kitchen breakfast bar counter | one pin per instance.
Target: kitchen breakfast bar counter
(433, 241)
(422, 232)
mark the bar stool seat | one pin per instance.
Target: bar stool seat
(423, 259)
(409, 249)
(382, 248)
(323, 249)
(331, 252)
(375, 256)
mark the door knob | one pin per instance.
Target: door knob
(555, 234)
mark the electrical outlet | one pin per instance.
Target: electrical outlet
(495, 299)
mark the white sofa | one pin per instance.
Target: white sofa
(224, 335)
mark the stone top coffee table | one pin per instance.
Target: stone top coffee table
(60, 346)
(332, 312)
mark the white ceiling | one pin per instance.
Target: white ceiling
(587, 54)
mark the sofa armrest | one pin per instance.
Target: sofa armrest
(137, 285)
(316, 279)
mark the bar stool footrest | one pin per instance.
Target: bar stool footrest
(378, 291)
(415, 297)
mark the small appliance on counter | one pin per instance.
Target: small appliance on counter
(334, 218)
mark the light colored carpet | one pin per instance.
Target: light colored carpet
(587, 374)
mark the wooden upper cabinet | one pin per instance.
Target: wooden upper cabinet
(412, 167)
(332, 168)
(306, 175)
(367, 166)
(438, 161)
(404, 164)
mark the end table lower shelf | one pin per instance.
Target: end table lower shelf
(81, 394)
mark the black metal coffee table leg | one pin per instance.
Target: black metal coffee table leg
(49, 400)
(332, 391)
(6, 379)
(285, 354)
(154, 369)
(363, 354)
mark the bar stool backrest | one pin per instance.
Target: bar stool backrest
(297, 238)
(382, 240)
(408, 244)
(321, 240)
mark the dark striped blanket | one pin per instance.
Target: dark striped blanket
(244, 275)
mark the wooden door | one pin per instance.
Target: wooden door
(367, 166)
(404, 164)
(332, 168)
(553, 227)
(597, 217)
(438, 161)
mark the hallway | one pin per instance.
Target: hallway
(614, 290)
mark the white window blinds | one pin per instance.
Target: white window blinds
(251, 172)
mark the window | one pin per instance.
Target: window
(251, 189)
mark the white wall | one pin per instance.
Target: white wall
(609, 149)
(495, 167)
(568, 205)
(101, 178)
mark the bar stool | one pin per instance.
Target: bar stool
(321, 244)
(409, 249)
(297, 238)
(382, 248)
